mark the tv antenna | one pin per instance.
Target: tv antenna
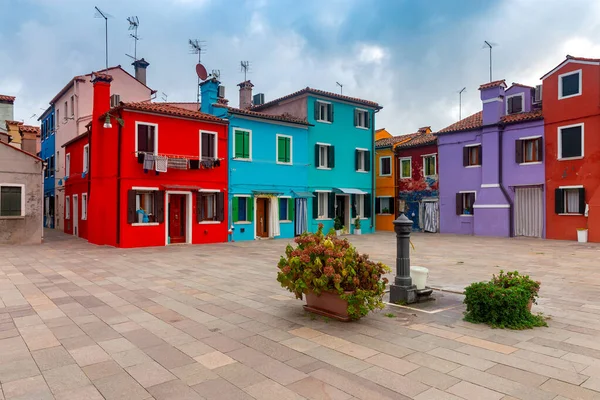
(164, 96)
(489, 45)
(197, 47)
(244, 67)
(216, 73)
(101, 14)
(134, 22)
(460, 102)
(341, 87)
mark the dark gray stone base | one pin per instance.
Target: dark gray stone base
(403, 294)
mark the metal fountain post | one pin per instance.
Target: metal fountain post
(402, 290)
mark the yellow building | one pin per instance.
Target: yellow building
(386, 184)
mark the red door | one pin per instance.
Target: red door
(177, 218)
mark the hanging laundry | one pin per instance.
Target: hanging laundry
(206, 164)
(178, 163)
(160, 163)
(140, 157)
(148, 161)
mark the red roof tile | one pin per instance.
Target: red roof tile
(249, 113)
(159, 108)
(569, 57)
(422, 139)
(8, 121)
(30, 129)
(471, 122)
(390, 141)
(318, 92)
(521, 85)
(501, 82)
(188, 105)
(4, 97)
(522, 117)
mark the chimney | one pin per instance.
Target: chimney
(140, 69)
(246, 95)
(492, 97)
(426, 130)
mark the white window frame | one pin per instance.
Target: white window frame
(22, 186)
(328, 104)
(249, 145)
(216, 146)
(324, 193)
(326, 155)
(434, 155)
(248, 198)
(560, 84)
(72, 105)
(66, 109)
(404, 159)
(67, 207)
(481, 160)
(381, 165)
(360, 205)
(277, 136)
(86, 160)
(213, 192)
(56, 120)
(138, 123)
(380, 211)
(287, 198)
(565, 188)
(365, 114)
(522, 102)
(144, 189)
(463, 201)
(68, 164)
(84, 206)
(363, 153)
(560, 158)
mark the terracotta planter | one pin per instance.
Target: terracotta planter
(328, 304)
(529, 305)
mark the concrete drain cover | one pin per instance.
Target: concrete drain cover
(437, 302)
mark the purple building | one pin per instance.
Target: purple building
(491, 169)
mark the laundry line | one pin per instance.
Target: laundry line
(178, 156)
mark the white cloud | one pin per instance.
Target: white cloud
(371, 54)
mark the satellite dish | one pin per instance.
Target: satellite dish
(201, 71)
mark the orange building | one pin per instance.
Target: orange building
(386, 184)
(571, 104)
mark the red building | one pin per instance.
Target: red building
(156, 175)
(417, 175)
(571, 104)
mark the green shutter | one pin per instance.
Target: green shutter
(288, 149)
(249, 209)
(280, 149)
(291, 209)
(234, 209)
(239, 144)
(246, 144)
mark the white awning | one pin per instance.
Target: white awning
(351, 191)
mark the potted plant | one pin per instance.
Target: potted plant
(503, 302)
(337, 281)
(385, 211)
(357, 226)
(338, 226)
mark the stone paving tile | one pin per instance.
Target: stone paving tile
(337, 359)
(271, 348)
(568, 390)
(239, 374)
(486, 344)
(86, 392)
(22, 368)
(65, 378)
(117, 345)
(218, 389)
(470, 391)
(102, 370)
(53, 357)
(461, 358)
(517, 375)
(214, 360)
(314, 389)
(270, 390)
(131, 357)
(89, 355)
(299, 344)
(393, 381)
(31, 387)
(168, 356)
(150, 374)
(433, 378)
(193, 374)
(435, 394)
(391, 363)
(174, 390)
(435, 363)
(121, 387)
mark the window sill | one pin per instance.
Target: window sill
(145, 224)
(243, 222)
(209, 222)
(242, 159)
(324, 168)
(384, 175)
(13, 217)
(385, 214)
(571, 214)
(465, 215)
(361, 127)
(430, 176)
(285, 221)
(531, 163)
(324, 219)
(324, 121)
(569, 96)
(406, 177)
(284, 163)
(362, 172)
(473, 166)
(570, 158)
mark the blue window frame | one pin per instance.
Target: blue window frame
(242, 209)
(283, 209)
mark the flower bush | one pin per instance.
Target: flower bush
(503, 302)
(322, 262)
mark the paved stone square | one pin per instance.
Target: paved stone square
(79, 321)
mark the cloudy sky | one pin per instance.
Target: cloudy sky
(410, 56)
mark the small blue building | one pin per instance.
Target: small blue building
(268, 167)
(47, 153)
(341, 137)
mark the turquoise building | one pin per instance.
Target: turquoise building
(268, 167)
(341, 137)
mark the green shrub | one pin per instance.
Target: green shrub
(503, 302)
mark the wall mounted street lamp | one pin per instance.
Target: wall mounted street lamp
(107, 123)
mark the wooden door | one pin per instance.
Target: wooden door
(177, 218)
(262, 217)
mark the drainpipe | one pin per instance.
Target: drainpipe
(118, 237)
(510, 203)
(373, 170)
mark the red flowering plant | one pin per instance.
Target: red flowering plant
(322, 262)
